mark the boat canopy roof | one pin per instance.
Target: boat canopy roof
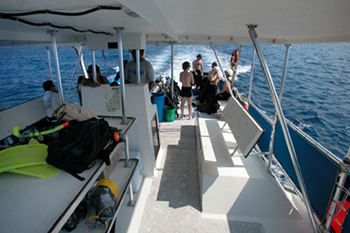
(180, 21)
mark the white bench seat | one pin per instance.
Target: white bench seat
(222, 104)
(219, 177)
(213, 143)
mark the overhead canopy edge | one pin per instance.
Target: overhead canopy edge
(149, 11)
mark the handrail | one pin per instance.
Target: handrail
(219, 63)
(338, 191)
(322, 152)
(253, 36)
(308, 138)
(284, 74)
(57, 65)
(80, 54)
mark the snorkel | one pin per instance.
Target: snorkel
(26, 134)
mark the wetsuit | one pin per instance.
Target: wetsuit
(197, 78)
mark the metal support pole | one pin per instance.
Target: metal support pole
(82, 65)
(57, 64)
(253, 35)
(172, 71)
(131, 202)
(251, 78)
(93, 65)
(338, 191)
(80, 53)
(217, 59)
(121, 72)
(239, 47)
(138, 66)
(284, 74)
(127, 154)
(49, 60)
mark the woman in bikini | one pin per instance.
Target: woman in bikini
(187, 80)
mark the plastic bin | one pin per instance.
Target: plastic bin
(169, 113)
(158, 99)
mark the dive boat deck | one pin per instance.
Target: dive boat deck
(170, 201)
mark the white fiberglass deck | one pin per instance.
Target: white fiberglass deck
(169, 202)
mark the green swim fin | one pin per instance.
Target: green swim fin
(26, 159)
(43, 171)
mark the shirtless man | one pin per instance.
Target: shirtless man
(198, 69)
(187, 80)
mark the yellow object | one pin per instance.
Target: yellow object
(110, 184)
(101, 226)
(33, 141)
(43, 171)
(27, 160)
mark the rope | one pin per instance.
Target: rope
(241, 96)
(72, 94)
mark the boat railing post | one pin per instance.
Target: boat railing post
(127, 154)
(253, 35)
(172, 71)
(83, 69)
(57, 64)
(251, 78)
(121, 73)
(131, 202)
(127, 164)
(223, 73)
(345, 169)
(273, 133)
(239, 47)
(49, 60)
(93, 65)
(80, 53)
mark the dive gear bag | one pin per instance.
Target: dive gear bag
(102, 205)
(79, 146)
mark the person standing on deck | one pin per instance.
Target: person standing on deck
(146, 70)
(186, 78)
(198, 69)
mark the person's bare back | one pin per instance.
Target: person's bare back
(186, 79)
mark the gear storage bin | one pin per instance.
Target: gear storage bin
(169, 113)
(158, 99)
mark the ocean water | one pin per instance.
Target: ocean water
(316, 91)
